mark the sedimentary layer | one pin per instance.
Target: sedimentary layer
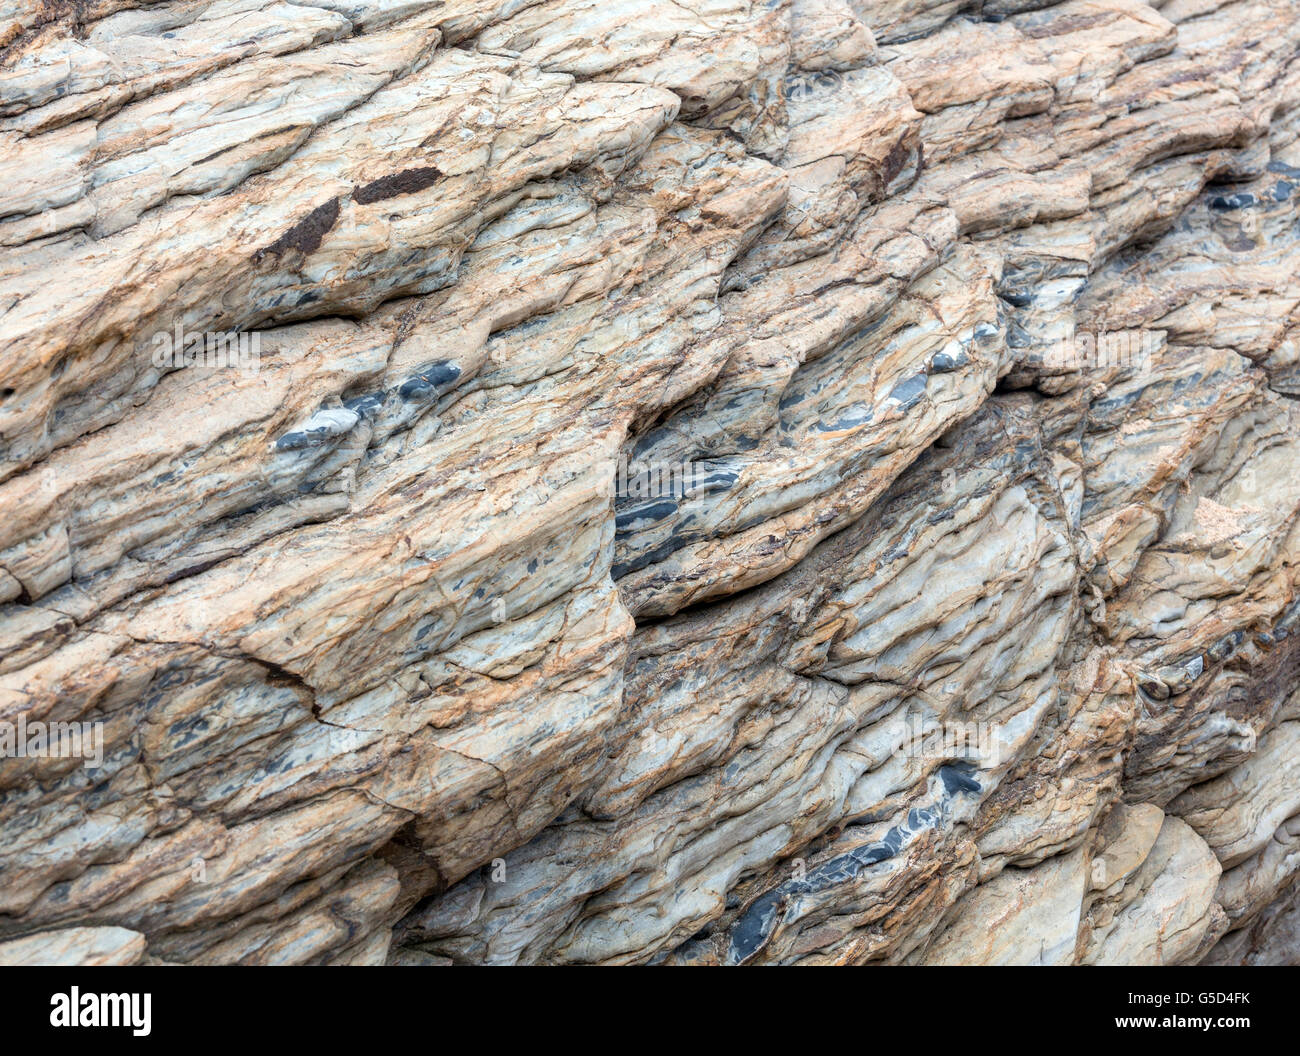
(669, 421)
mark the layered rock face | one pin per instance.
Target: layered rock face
(700, 482)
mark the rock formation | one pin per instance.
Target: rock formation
(678, 482)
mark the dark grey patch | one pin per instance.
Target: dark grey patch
(323, 427)
(957, 778)
(1017, 298)
(408, 181)
(306, 235)
(1019, 337)
(1226, 203)
(1225, 647)
(858, 414)
(293, 441)
(908, 393)
(365, 406)
(942, 362)
(718, 480)
(755, 926)
(648, 513)
(432, 381)
(187, 731)
(665, 549)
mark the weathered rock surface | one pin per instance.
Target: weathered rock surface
(802, 481)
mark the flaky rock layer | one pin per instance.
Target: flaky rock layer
(681, 481)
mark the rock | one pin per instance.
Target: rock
(1238, 813)
(686, 482)
(1019, 917)
(1164, 912)
(74, 947)
(1271, 939)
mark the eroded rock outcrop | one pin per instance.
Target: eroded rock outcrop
(803, 481)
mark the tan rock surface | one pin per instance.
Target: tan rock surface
(793, 482)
